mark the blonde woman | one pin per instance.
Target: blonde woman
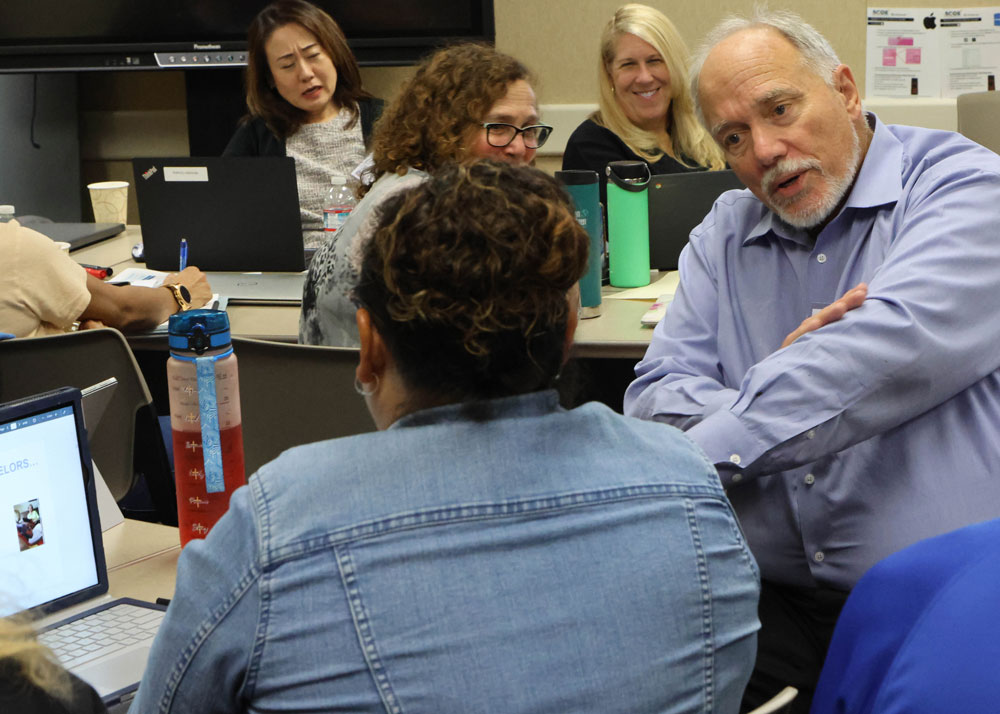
(32, 681)
(645, 110)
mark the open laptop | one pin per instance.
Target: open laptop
(238, 214)
(677, 204)
(51, 550)
(77, 235)
(254, 288)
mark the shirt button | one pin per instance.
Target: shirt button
(735, 458)
(821, 258)
(809, 479)
(818, 557)
(737, 478)
(811, 434)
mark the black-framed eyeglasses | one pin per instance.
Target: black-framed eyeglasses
(499, 134)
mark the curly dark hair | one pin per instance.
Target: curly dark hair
(437, 112)
(263, 99)
(466, 280)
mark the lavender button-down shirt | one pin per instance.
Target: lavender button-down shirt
(872, 432)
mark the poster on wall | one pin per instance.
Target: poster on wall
(903, 56)
(932, 52)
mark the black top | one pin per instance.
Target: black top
(253, 138)
(17, 695)
(592, 147)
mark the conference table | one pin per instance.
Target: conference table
(616, 333)
(141, 559)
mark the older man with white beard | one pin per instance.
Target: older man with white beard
(833, 346)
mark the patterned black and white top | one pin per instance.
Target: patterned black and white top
(321, 151)
(327, 308)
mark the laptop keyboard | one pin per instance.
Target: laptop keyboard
(101, 633)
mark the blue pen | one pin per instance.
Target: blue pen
(184, 253)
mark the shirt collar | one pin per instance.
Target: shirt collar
(770, 224)
(880, 180)
(879, 183)
(522, 405)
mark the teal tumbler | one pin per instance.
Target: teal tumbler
(582, 187)
(628, 223)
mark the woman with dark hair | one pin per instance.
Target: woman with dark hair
(306, 101)
(486, 550)
(464, 102)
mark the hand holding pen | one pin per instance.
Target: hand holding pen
(195, 281)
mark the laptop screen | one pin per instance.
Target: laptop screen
(677, 204)
(237, 213)
(47, 549)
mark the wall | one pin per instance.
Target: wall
(127, 114)
(558, 39)
(42, 180)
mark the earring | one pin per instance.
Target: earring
(363, 388)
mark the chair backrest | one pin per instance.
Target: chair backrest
(979, 118)
(80, 359)
(295, 394)
(779, 703)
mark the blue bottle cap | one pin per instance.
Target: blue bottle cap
(198, 331)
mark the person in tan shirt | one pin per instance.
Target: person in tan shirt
(43, 291)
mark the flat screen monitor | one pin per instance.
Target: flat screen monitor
(87, 35)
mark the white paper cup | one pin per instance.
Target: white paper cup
(62, 245)
(110, 201)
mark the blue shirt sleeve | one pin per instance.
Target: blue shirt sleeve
(922, 336)
(918, 633)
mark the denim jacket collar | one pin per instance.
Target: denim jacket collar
(521, 405)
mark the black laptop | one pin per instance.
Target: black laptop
(677, 204)
(77, 235)
(238, 214)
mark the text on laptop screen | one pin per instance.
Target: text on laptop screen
(46, 547)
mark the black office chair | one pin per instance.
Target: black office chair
(295, 394)
(126, 442)
(779, 703)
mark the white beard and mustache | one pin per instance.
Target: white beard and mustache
(836, 187)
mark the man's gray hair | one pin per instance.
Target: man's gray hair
(818, 55)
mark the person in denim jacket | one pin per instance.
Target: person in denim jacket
(487, 550)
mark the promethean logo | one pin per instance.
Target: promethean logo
(207, 47)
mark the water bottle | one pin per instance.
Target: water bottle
(582, 187)
(340, 201)
(205, 420)
(628, 223)
(6, 213)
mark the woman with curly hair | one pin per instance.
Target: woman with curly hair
(645, 109)
(486, 550)
(305, 100)
(464, 102)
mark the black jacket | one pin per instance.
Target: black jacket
(592, 147)
(18, 695)
(253, 138)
